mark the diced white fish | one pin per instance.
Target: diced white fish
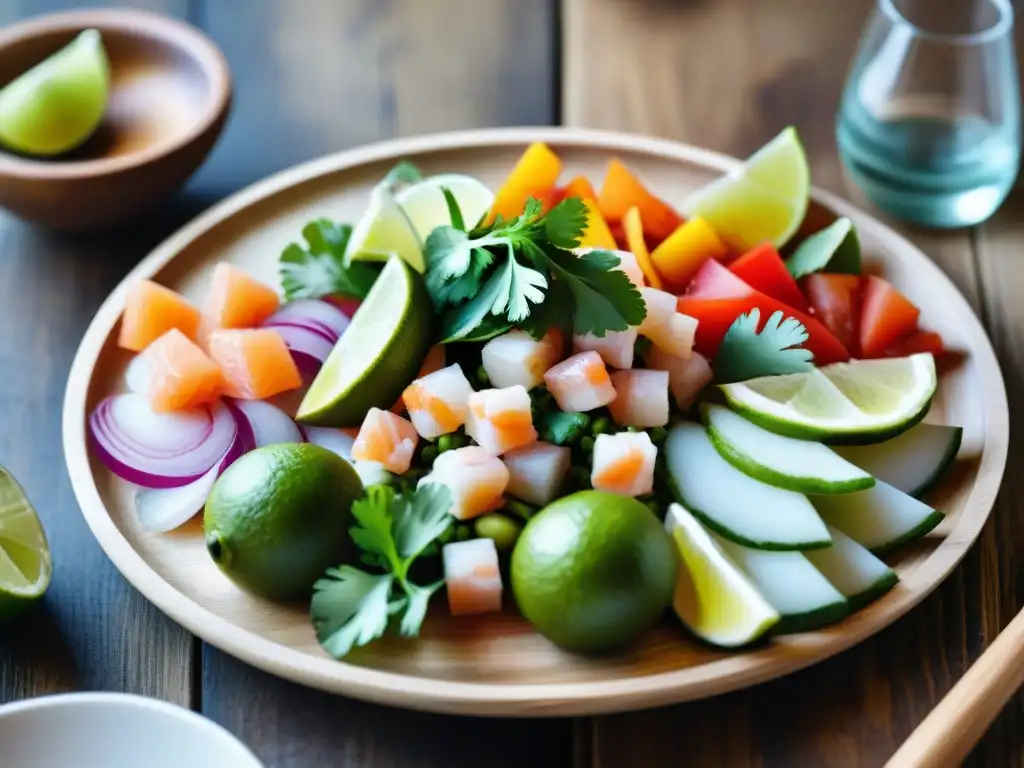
(624, 463)
(641, 398)
(501, 419)
(580, 383)
(686, 376)
(518, 358)
(475, 477)
(660, 305)
(472, 576)
(536, 471)
(438, 403)
(676, 336)
(386, 438)
(615, 347)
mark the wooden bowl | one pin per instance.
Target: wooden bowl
(496, 664)
(170, 93)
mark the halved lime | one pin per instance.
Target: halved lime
(385, 231)
(765, 199)
(864, 401)
(57, 104)
(425, 205)
(379, 354)
(24, 554)
(714, 598)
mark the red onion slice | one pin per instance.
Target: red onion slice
(159, 450)
(332, 439)
(309, 349)
(311, 312)
(268, 423)
(164, 509)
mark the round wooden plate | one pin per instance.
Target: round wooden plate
(496, 665)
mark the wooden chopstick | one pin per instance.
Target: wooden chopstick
(951, 729)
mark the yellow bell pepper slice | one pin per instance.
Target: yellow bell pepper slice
(682, 253)
(634, 228)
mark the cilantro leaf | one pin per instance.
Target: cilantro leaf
(349, 607)
(402, 175)
(519, 285)
(372, 533)
(416, 607)
(746, 353)
(604, 298)
(565, 223)
(421, 519)
(455, 266)
(835, 247)
(319, 269)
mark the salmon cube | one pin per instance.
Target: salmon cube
(475, 477)
(687, 376)
(580, 383)
(238, 300)
(256, 363)
(386, 439)
(615, 347)
(641, 398)
(676, 336)
(472, 576)
(439, 402)
(624, 463)
(660, 306)
(518, 358)
(180, 374)
(536, 471)
(501, 419)
(150, 311)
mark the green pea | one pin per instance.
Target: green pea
(601, 426)
(503, 531)
(587, 444)
(658, 435)
(463, 532)
(428, 455)
(448, 535)
(445, 443)
(520, 509)
(482, 378)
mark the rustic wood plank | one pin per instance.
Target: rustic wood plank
(93, 630)
(728, 75)
(319, 79)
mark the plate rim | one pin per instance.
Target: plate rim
(732, 672)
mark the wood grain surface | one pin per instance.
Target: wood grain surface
(721, 73)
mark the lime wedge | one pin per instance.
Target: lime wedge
(24, 553)
(57, 104)
(427, 209)
(864, 401)
(714, 598)
(379, 354)
(385, 231)
(765, 199)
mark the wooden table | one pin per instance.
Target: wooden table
(314, 76)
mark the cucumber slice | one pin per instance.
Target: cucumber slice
(911, 462)
(880, 518)
(713, 598)
(853, 570)
(796, 589)
(734, 505)
(785, 462)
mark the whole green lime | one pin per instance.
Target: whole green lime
(279, 516)
(593, 570)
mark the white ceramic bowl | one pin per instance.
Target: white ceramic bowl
(113, 730)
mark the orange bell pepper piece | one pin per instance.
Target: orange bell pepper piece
(622, 191)
(534, 176)
(684, 252)
(633, 226)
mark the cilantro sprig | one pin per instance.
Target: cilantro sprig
(352, 607)
(777, 349)
(318, 269)
(523, 272)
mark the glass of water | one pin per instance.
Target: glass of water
(929, 124)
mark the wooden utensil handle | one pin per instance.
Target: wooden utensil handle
(951, 729)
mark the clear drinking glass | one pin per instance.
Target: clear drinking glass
(929, 124)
